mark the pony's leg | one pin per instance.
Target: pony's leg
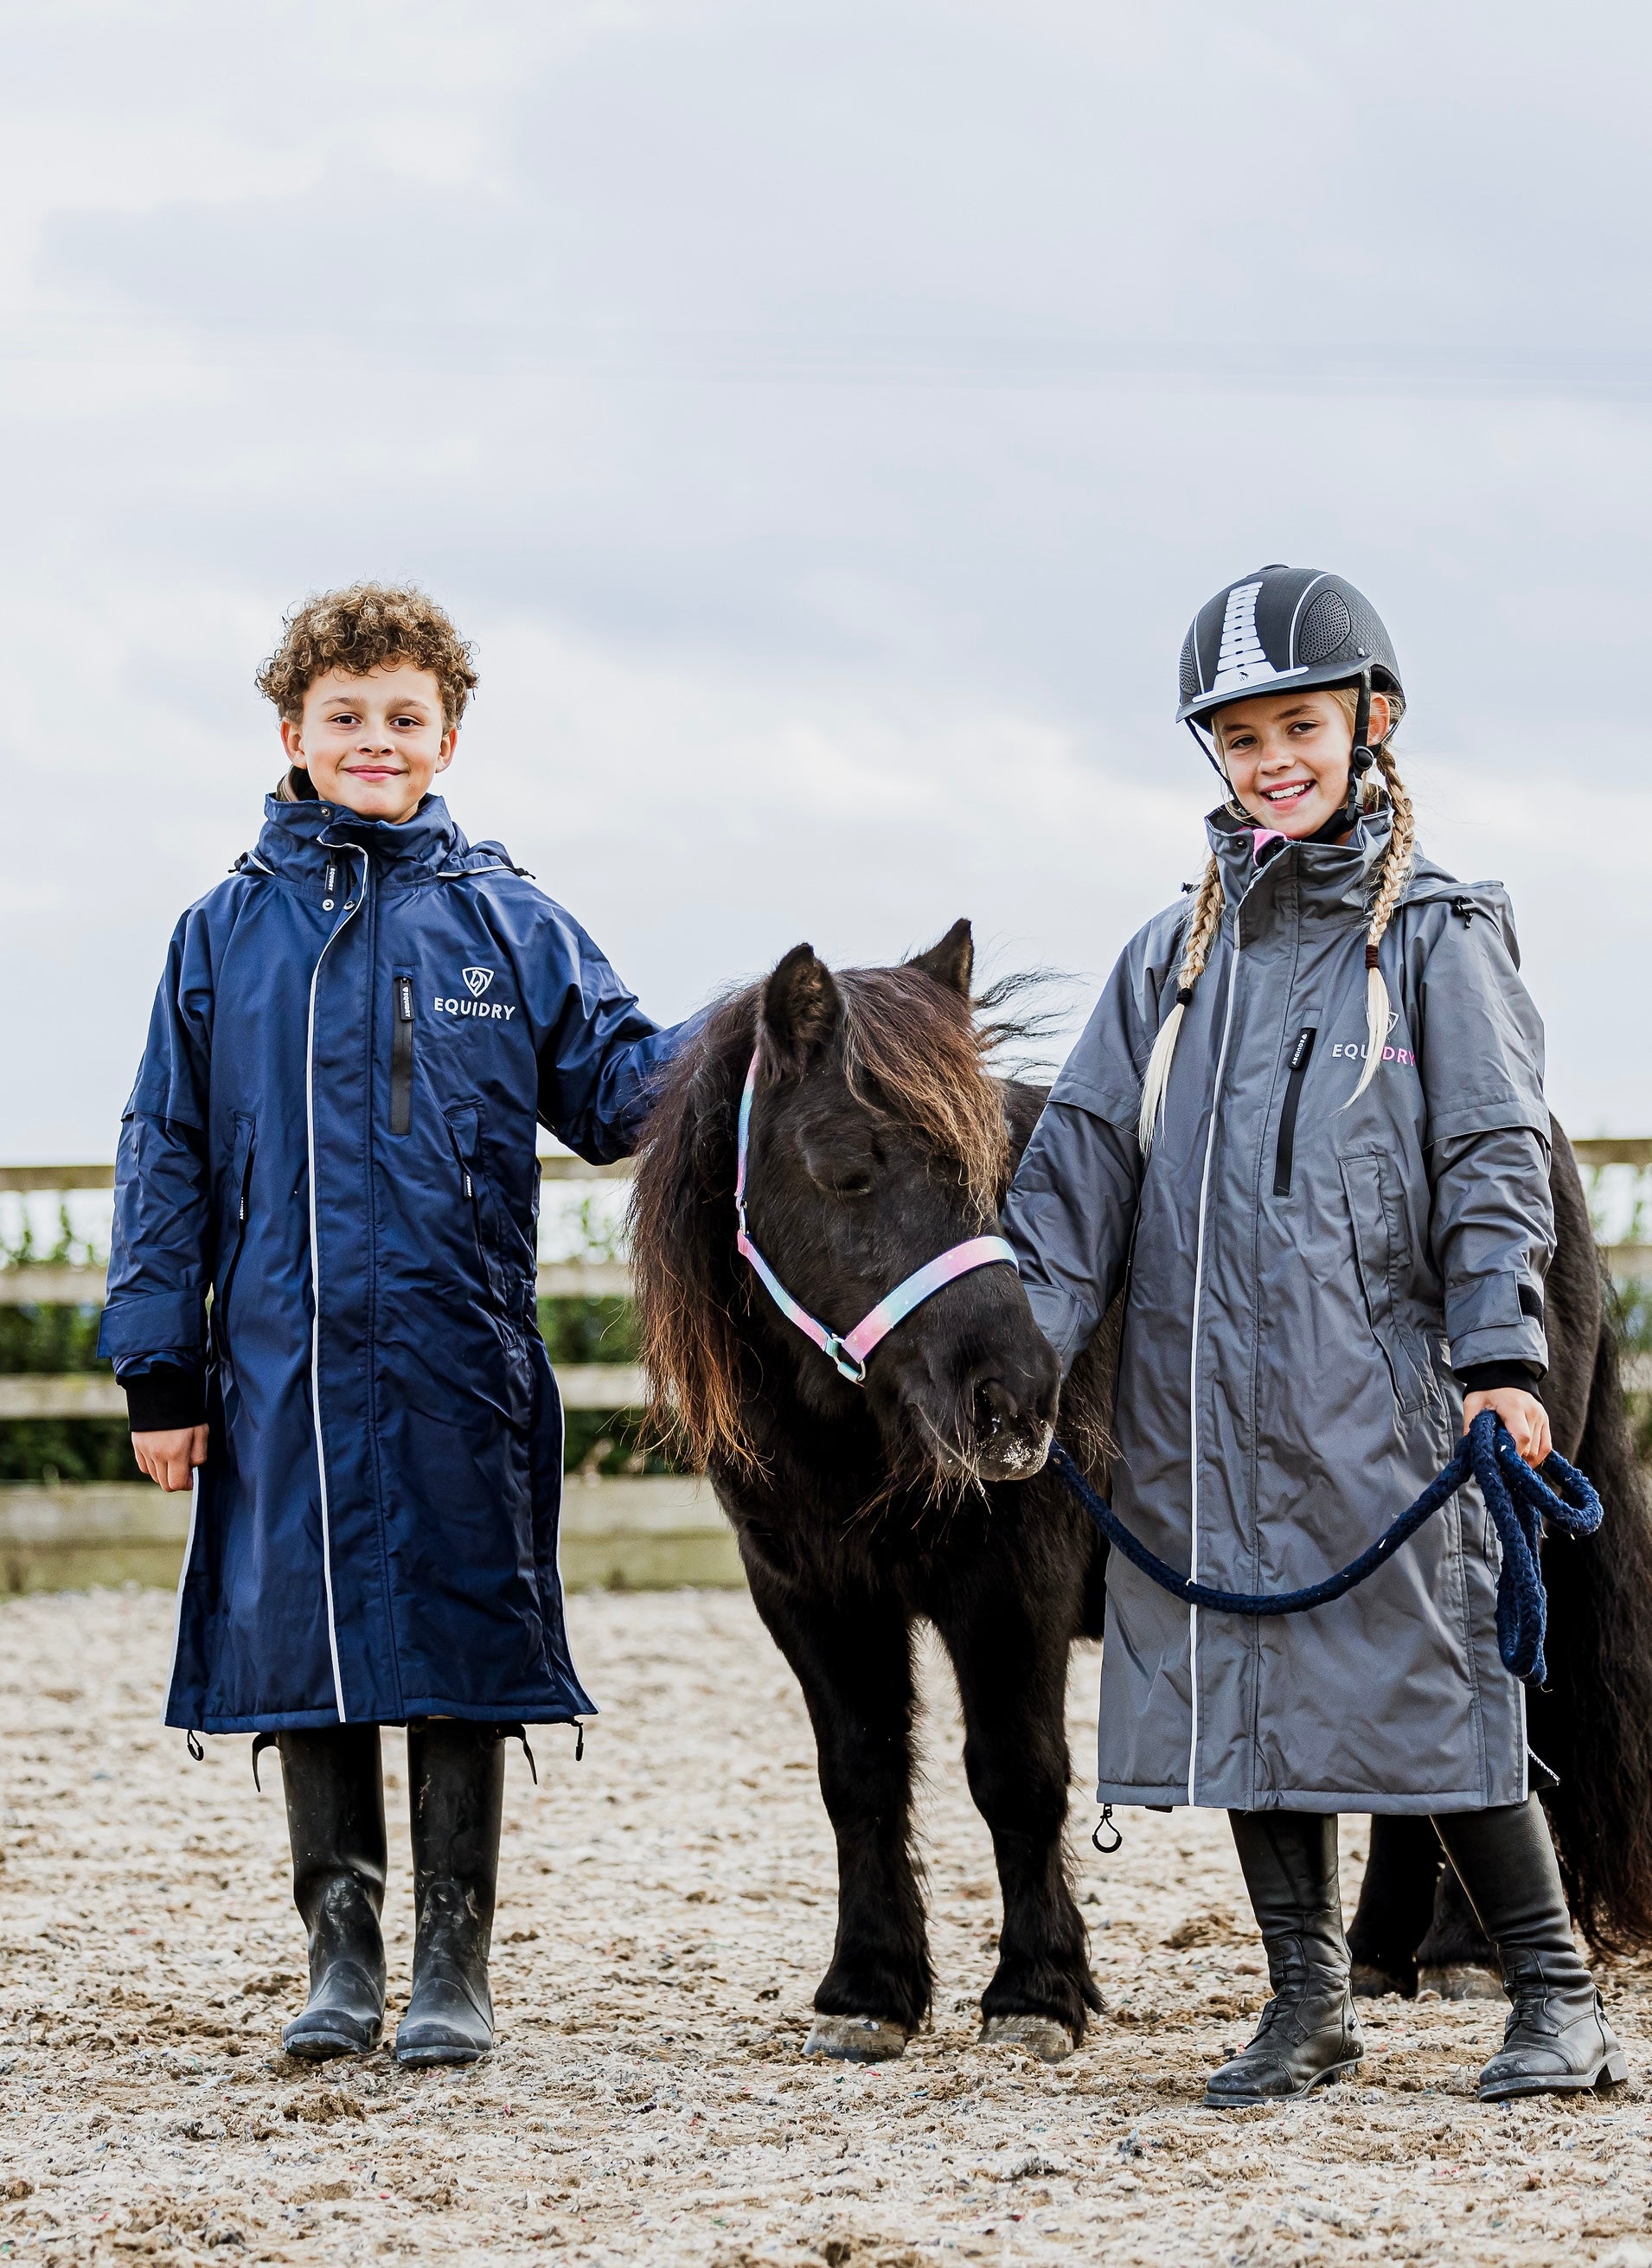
(1456, 1958)
(852, 1655)
(1008, 1641)
(1397, 1903)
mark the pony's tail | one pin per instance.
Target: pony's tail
(1594, 1722)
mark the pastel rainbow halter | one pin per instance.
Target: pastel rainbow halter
(850, 1352)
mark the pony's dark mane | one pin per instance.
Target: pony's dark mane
(908, 1046)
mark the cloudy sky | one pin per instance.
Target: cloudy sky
(825, 418)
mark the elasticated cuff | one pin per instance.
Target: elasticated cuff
(165, 1400)
(1486, 1377)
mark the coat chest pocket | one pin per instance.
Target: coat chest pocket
(1381, 1254)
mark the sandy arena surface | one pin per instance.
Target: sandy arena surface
(666, 1909)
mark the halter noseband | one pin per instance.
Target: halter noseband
(851, 1352)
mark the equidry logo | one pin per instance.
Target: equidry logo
(1358, 1048)
(476, 981)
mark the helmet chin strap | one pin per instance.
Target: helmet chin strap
(1362, 756)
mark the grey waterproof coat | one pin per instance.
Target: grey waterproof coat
(1302, 1278)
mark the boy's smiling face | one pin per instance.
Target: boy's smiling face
(373, 744)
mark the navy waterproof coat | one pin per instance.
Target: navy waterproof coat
(332, 1130)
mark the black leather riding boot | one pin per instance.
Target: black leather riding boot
(334, 1794)
(1308, 2033)
(1557, 2040)
(456, 1795)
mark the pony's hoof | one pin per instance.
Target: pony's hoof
(1040, 2036)
(1370, 1983)
(857, 2039)
(1460, 1980)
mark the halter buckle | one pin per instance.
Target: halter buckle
(849, 1365)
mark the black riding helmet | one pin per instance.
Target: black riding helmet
(1280, 627)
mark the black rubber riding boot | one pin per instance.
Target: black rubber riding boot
(334, 1794)
(1308, 2033)
(456, 1794)
(1557, 2040)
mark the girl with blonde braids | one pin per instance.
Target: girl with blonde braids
(1304, 1133)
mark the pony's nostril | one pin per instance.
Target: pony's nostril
(995, 1407)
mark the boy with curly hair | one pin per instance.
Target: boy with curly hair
(321, 1301)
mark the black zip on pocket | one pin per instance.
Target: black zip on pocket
(240, 1182)
(401, 1057)
(1287, 1157)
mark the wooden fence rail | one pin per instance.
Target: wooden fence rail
(642, 1533)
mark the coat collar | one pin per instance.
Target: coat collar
(297, 839)
(1329, 876)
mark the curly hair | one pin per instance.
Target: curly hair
(365, 628)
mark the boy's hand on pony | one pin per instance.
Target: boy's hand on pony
(1524, 1416)
(169, 1459)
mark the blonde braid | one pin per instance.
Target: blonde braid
(1208, 909)
(1395, 871)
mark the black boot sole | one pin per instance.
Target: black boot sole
(424, 2058)
(1326, 2078)
(326, 2047)
(1611, 2071)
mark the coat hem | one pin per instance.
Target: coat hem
(310, 1720)
(1174, 1797)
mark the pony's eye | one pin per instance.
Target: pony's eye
(852, 1185)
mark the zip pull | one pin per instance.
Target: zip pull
(469, 1186)
(329, 887)
(1285, 1158)
(404, 998)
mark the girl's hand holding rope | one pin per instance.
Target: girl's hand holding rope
(1524, 1416)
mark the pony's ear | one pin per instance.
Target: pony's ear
(952, 961)
(800, 1008)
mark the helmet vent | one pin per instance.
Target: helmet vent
(1326, 626)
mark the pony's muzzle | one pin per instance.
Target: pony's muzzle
(1011, 1430)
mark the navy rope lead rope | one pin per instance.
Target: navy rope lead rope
(1518, 1499)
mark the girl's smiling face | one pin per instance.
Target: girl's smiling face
(1287, 755)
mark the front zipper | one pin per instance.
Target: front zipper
(352, 907)
(401, 1057)
(1193, 1363)
(1287, 1157)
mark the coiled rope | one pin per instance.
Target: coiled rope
(1518, 1499)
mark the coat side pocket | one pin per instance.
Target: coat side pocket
(1377, 1226)
(237, 1185)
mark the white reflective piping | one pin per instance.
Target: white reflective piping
(1192, 1360)
(183, 1577)
(315, 1284)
